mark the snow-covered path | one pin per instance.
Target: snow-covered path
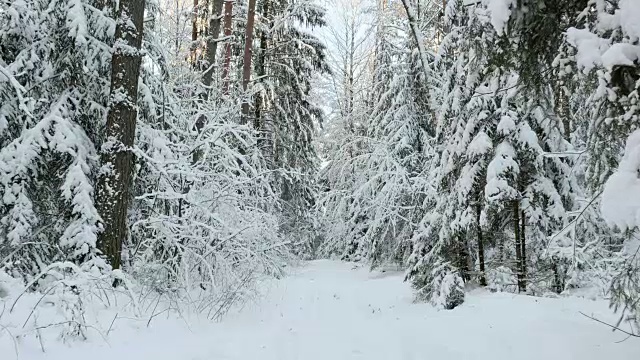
(333, 311)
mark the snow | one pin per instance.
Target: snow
(330, 310)
(594, 50)
(498, 171)
(528, 137)
(77, 22)
(480, 145)
(506, 125)
(589, 46)
(629, 14)
(500, 13)
(621, 54)
(621, 194)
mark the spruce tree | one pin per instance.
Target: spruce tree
(288, 57)
(54, 71)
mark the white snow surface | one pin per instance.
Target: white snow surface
(331, 310)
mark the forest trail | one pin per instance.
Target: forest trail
(329, 310)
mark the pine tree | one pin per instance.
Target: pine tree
(115, 182)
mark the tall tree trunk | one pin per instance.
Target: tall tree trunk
(228, 13)
(114, 185)
(349, 68)
(377, 50)
(558, 281)
(246, 71)
(213, 32)
(483, 279)
(443, 29)
(463, 258)
(212, 43)
(417, 36)
(347, 106)
(516, 229)
(563, 110)
(261, 69)
(194, 35)
(523, 252)
(176, 36)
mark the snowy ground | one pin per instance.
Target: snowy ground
(329, 310)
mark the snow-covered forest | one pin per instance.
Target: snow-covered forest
(170, 158)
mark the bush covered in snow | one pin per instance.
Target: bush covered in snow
(212, 201)
(443, 287)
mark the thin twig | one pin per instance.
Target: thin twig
(156, 314)
(111, 325)
(15, 344)
(611, 326)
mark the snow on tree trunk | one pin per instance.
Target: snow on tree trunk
(213, 35)
(194, 34)
(228, 14)
(258, 124)
(409, 7)
(115, 182)
(246, 71)
(483, 278)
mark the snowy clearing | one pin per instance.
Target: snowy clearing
(331, 310)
